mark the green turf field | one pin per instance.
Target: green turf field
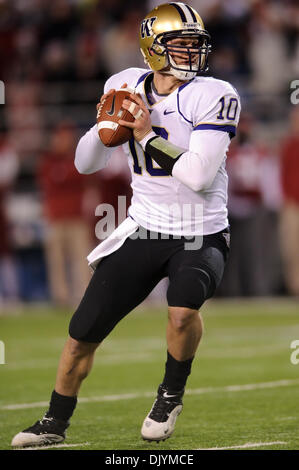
(243, 390)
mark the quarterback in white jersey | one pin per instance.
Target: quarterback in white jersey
(183, 123)
(200, 116)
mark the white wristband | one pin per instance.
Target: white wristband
(145, 139)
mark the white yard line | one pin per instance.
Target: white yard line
(286, 418)
(196, 391)
(54, 446)
(244, 387)
(247, 445)
(243, 446)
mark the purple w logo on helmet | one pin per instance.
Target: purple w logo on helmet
(146, 27)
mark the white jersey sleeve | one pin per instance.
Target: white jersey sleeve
(198, 167)
(91, 154)
(215, 116)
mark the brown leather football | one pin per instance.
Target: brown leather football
(110, 112)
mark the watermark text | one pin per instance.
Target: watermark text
(2, 353)
(295, 354)
(2, 92)
(294, 97)
(168, 220)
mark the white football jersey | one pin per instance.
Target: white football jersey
(160, 202)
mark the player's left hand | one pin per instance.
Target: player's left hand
(142, 124)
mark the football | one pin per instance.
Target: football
(111, 133)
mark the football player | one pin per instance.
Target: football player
(183, 123)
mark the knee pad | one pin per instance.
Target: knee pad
(190, 288)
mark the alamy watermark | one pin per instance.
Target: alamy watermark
(2, 352)
(294, 97)
(164, 221)
(2, 92)
(295, 354)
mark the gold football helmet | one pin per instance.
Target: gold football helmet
(171, 21)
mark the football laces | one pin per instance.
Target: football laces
(100, 106)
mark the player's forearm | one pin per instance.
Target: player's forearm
(196, 167)
(162, 151)
(91, 154)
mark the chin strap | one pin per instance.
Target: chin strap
(180, 74)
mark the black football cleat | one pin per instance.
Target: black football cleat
(47, 431)
(159, 423)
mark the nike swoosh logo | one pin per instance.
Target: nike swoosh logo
(168, 112)
(165, 395)
(111, 111)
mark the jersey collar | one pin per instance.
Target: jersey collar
(147, 79)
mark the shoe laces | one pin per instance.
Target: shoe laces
(46, 420)
(48, 424)
(164, 405)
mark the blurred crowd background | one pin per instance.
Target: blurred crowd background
(54, 59)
